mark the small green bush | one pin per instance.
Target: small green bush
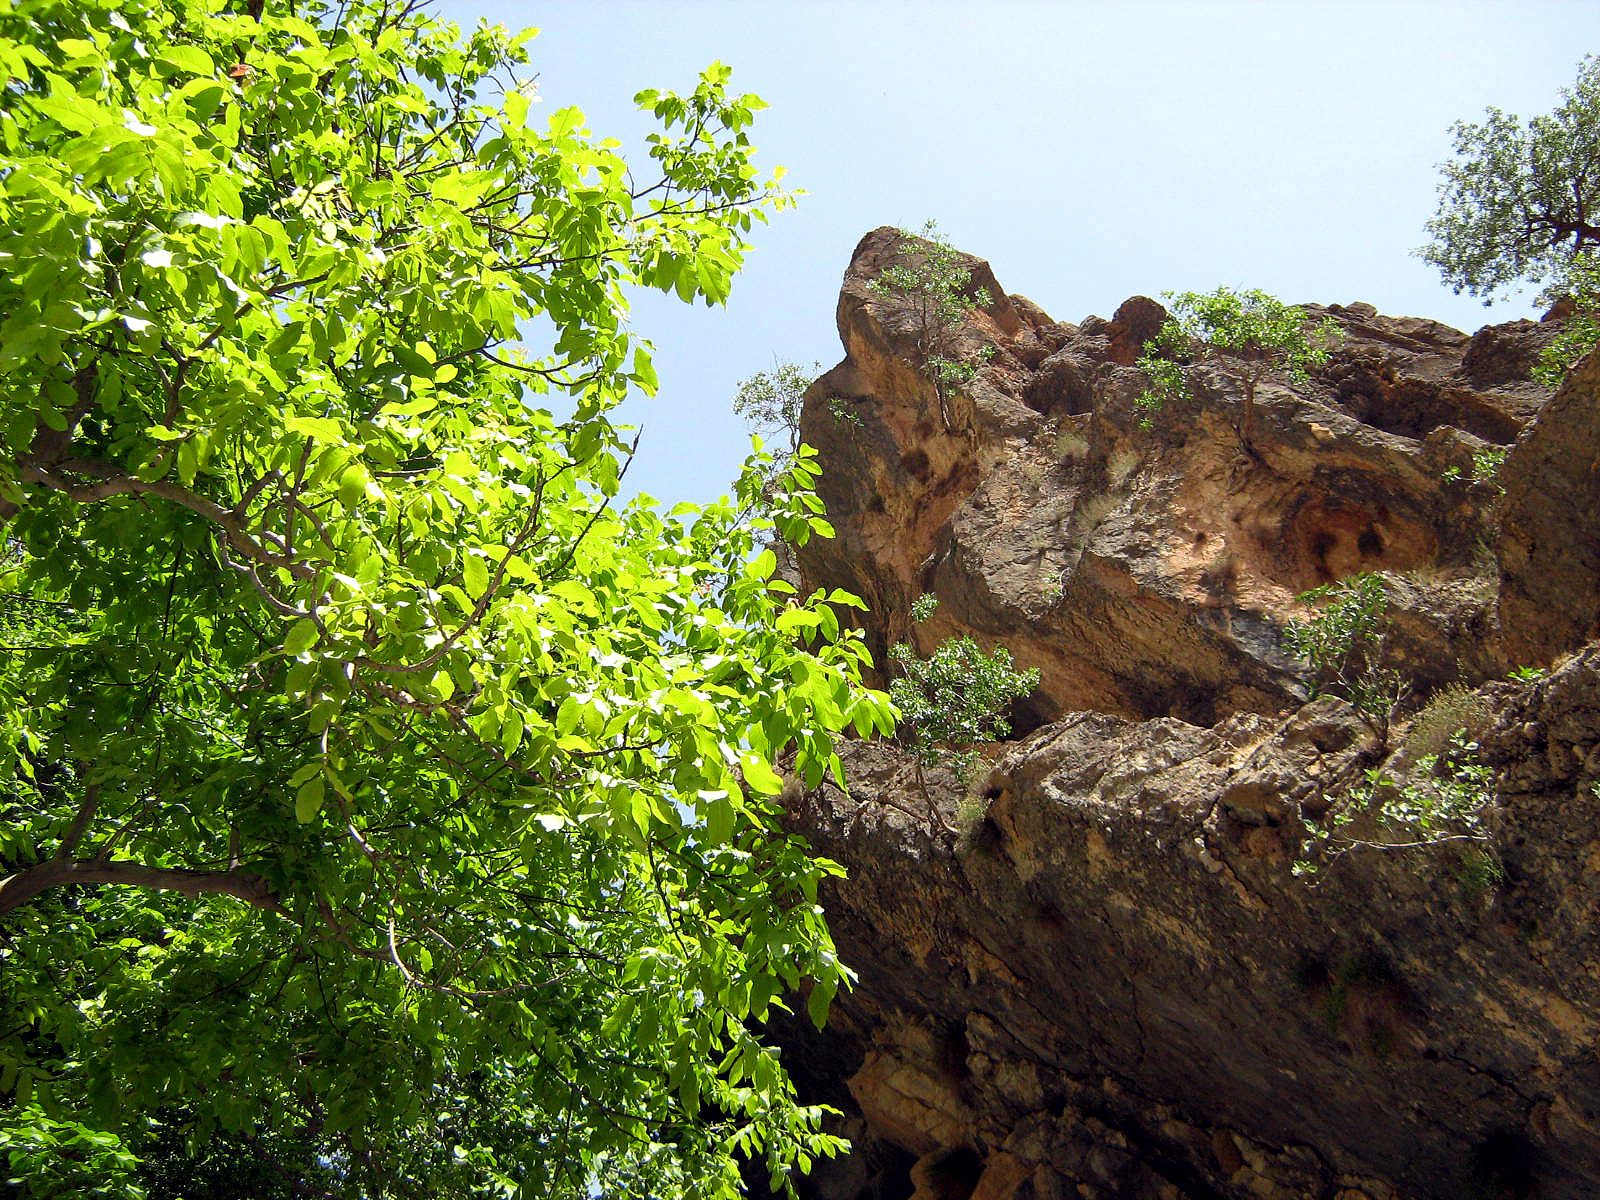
(1248, 327)
(1342, 643)
(769, 402)
(1580, 332)
(1445, 800)
(928, 276)
(956, 697)
(1486, 464)
(839, 409)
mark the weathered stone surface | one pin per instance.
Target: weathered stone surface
(1549, 544)
(1113, 982)
(1149, 572)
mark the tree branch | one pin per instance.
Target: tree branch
(26, 885)
(110, 482)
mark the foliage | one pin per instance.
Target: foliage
(956, 697)
(1479, 870)
(1342, 643)
(1486, 463)
(379, 791)
(1449, 711)
(1247, 327)
(44, 1157)
(1055, 588)
(1526, 674)
(928, 275)
(1162, 360)
(1518, 200)
(1579, 333)
(839, 409)
(1447, 802)
(769, 402)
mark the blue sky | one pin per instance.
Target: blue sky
(1088, 151)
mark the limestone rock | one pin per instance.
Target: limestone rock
(1549, 543)
(1113, 982)
(1149, 572)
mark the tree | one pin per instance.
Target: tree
(1343, 647)
(382, 798)
(928, 276)
(954, 698)
(769, 403)
(1521, 200)
(1248, 327)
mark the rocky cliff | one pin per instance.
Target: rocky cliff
(1113, 981)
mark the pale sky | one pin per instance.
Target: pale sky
(1089, 151)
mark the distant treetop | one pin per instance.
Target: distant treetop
(1521, 200)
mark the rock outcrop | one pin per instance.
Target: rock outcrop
(1148, 572)
(1114, 981)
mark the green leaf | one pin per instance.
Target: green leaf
(302, 635)
(308, 799)
(759, 775)
(353, 484)
(475, 575)
(719, 819)
(819, 1000)
(187, 58)
(762, 566)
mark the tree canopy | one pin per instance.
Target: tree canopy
(388, 810)
(1521, 199)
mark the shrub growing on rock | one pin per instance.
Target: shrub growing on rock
(1249, 328)
(930, 278)
(769, 403)
(1341, 646)
(955, 698)
(1449, 711)
(1445, 800)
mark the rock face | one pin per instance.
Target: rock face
(1549, 545)
(1113, 981)
(1147, 573)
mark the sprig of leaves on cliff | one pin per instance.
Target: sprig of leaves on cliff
(1579, 332)
(1446, 800)
(769, 402)
(956, 697)
(1342, 643)
(1249, 328)
(928, 276)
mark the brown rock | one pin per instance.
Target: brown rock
(1549, 543)
(1113, 983)
(1168, 1012)
(1150, 572)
